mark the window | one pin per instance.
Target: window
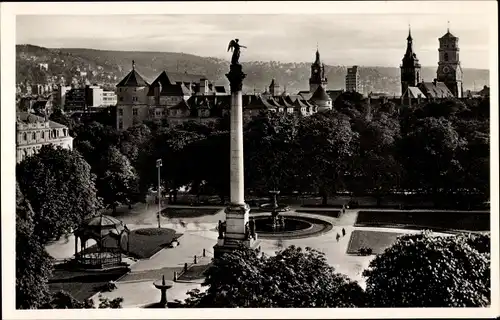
(25, 137)
(134, 112)
(134, 99)
(120, 125)
(120, 112)
(446, 56)
(121, 99)
(43, 134)
(33, 136)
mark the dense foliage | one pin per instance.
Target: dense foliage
(292, 278)
(60, 187)
(33, 264)
(431, 271)
(438, 149)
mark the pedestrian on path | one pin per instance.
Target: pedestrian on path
(338, 237)
(343, 232)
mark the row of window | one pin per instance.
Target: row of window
(134, 99)
(52, 134)
(125, 89)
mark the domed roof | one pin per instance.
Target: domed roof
(320, 95)
(102, 221)
(101, 226)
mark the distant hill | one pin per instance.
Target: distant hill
(109, 67)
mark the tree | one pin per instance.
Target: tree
(59, 117)
(270, 141)
(168, 144)
(293, 278)
(352, 104)
(423, 270)
(93, 139)
(33, 263)
(326, 143)
(60, 187)
(133, 140)
(374, 167)
(117, 180)
(429, 153)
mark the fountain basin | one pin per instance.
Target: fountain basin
(159, 284)
(296, 227)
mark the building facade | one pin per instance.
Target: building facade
(132, 106)
(33, 132)
(352, 81)
(449, 69)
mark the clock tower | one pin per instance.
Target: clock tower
(449, 70)
(410, 67)
(317, 75)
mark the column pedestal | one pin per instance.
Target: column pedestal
(235, 236)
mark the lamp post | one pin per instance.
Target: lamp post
(158, 165)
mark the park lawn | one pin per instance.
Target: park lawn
(144, 243)
(194, 272)
(194, 212)
(435, 220)
(83, 284)
(378, 241)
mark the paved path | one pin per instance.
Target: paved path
(199, 233)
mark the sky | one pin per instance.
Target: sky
(342, 39)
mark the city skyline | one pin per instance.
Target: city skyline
(342, 39)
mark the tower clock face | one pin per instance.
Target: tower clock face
(446, 69)
(315, 70)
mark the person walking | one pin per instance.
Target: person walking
(338, 237)
(343, 232)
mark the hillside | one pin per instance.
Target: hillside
(109, 67)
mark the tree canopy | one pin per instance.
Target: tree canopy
(292, 278)
(431, 271)
(60, 188)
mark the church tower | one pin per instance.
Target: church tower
(410, 67)
(317, 75)
(449, 70)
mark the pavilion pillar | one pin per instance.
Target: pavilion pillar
(76, 245)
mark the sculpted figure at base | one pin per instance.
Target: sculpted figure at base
(234, 46)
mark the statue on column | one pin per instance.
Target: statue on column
(234, 46)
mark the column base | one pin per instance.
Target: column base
(224, 246)
(235, 236)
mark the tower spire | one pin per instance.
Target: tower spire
(409, 33)
(133, 64)
(318, 60)
(448, 28)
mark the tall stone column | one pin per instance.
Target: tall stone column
(237, 213)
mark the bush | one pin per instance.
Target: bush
(365, 251)
(108, 287)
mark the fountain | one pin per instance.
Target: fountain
(278, 221)
(163, 286)
(281, 226)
